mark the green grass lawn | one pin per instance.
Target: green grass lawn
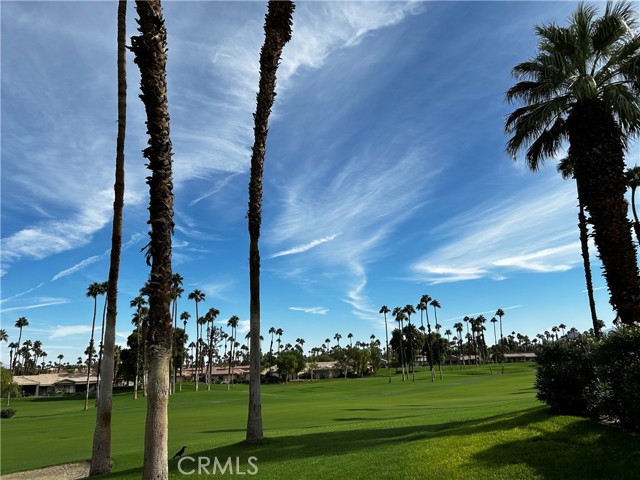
(471, 425)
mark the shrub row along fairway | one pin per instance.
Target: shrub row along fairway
(471, 425)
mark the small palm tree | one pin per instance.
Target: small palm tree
(197, 296)
(408, 310)
(233, 324)
(435, 304)
(400, 317)
(210, 317)
(20, 323)
(582, 86)
(93, 291)
(384, 310)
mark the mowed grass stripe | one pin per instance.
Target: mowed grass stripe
(471, 425)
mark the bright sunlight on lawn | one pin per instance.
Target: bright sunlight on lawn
(471, 425)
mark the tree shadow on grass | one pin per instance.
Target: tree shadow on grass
(564, 453)
(581, 450)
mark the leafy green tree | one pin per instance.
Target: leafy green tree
(7, 386)
(289, 363)
(583, 86)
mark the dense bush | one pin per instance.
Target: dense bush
(7, 413)
(617, 361)
(566, 378)
(591, 378)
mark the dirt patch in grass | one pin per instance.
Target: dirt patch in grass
(69, 471)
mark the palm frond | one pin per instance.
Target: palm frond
(547, 144)
(528, 123)
(625, 105)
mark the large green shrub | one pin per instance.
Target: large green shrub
(566, 378)
(617, 360)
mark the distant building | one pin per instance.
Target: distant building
(50, 384)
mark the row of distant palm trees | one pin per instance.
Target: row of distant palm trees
(402, 314)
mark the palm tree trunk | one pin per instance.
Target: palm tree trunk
(101, 455)
(277, 31)
(584, 244)
(150, 55)
(599, 172)
(636, 221)
(386, 334)
(135, 380)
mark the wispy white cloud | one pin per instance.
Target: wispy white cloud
(312, 310)
(78, 266)
(135, 238)
(41, 302)
(18, 295)
(305, 247)
(70, 330)
(535, 232)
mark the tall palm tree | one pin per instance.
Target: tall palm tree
(3, 335)
(150, 49)
(565, 167)
(435, 304)
(277, 31)
(632, 177)
(197, 296)
(233, 323)
(494, 320)
(20, 323)
(384, 310)
(400, 316)
(458, 328)
(211, 316)
(176, 292)
(139, 302)
(37, 352)
(184, 316)
(582, 86)
(103, 291)
(408, 310)
(426, 299)
(200, 345)
(350, 337)
(448, 333)
(562, 326)
(337, 338)
(500, 314)
(272, 331)
(93, 291)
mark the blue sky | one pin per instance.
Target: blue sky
(385, 175)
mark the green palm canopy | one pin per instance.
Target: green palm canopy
(583, 87)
